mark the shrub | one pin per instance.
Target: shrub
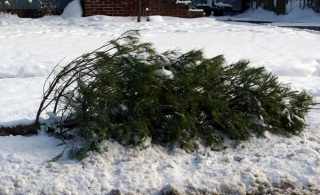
(127, 91)
(48, 7)
(11, 7)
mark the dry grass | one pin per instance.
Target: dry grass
(19, 130)
(11, 8)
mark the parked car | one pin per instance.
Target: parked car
(218, 7)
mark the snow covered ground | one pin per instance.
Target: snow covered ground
(30, 48)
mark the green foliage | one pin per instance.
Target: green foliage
(127, 91)
(56, 158)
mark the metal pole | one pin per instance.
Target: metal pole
(139, 10)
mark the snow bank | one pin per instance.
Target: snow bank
(269, 164)
(155, 19)
(73, 10)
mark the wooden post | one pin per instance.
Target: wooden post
(139, 10)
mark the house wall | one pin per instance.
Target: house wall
(24, 9)
(130, 8)
(317, 5)
(25, 5)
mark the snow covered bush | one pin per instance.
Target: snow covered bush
(127, 91)
(48, 7)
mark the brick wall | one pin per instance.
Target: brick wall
(130, 8)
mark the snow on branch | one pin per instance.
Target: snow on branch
(183, 2)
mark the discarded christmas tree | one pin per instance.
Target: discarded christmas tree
(127, 91)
